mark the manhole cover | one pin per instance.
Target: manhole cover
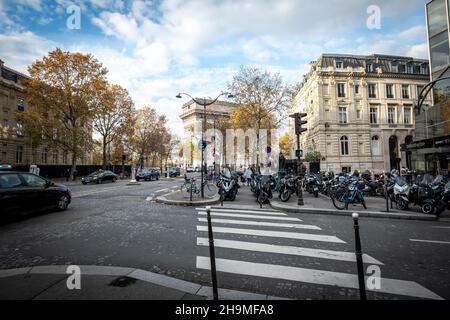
(122, 282)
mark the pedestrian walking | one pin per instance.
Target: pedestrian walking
(248, 175)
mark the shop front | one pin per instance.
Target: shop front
(430, 156)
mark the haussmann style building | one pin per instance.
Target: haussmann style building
(15, 149)
(360, 110)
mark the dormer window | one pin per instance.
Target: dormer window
(339, 65)
(370, 67)
(395, 68)
(401, 68)
(410, 68)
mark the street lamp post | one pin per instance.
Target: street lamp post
(205, 104)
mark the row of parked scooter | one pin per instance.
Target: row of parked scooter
(431, 195)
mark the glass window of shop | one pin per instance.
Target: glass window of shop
(440, 52)
(434, 121)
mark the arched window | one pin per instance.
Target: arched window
(345, 151)
(376, 149)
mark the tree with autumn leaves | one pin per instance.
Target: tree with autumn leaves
(71, 99)
(263, 100)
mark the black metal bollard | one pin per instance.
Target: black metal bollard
(386, 196)
(359, 259)
(192, 185)
(212, 255)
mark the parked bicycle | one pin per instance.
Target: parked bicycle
(348, 194)
(190, 185)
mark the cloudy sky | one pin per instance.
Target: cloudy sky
(157, 48)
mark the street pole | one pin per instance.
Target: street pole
(359, 259)
(203, 149)
(299, 178)
(212, 255)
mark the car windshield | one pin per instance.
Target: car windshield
(94, 174)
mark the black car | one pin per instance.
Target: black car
(100, 177)
(147, 174)
(22, 192)
(174, 172)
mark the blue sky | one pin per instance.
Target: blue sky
(156, 49)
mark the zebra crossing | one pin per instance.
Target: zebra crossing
(240, 231)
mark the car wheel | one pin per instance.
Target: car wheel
(63, 202)
(114, 180)
(85, 183)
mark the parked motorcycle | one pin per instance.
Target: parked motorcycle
(444, 200)
(228, 186)
(431, 195)
(401, 193)
(288, 187)
(264, 193)
(311, 184)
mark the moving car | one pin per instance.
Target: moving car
(5, 167)
(174, 172)
(147, 174)
(22, 192)
(100, 177)
(190, 169)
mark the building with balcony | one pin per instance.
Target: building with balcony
(360, 110)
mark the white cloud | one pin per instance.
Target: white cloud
(20, 49)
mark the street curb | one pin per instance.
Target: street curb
(366, 214)
(186, 203)
(142, 275)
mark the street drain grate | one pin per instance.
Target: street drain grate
(122, 282)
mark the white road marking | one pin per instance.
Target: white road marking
(87, 193)
(162, 190)
(275, 234)
(429, 241)
(271, 213)
(441, 227)
(295, 251)
(262, 224)
(249, 216)
(317, 277)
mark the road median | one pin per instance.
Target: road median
(176, 198)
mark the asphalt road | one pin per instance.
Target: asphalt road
(115, 225)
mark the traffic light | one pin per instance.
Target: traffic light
(299, 129)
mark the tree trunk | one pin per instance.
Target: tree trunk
(74, 165)
(258, 146)
(104, 153)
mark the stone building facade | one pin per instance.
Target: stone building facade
(193, 117)
(360, 110)
(14, 147)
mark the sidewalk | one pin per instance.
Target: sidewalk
(376, 208)
(106, 283)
